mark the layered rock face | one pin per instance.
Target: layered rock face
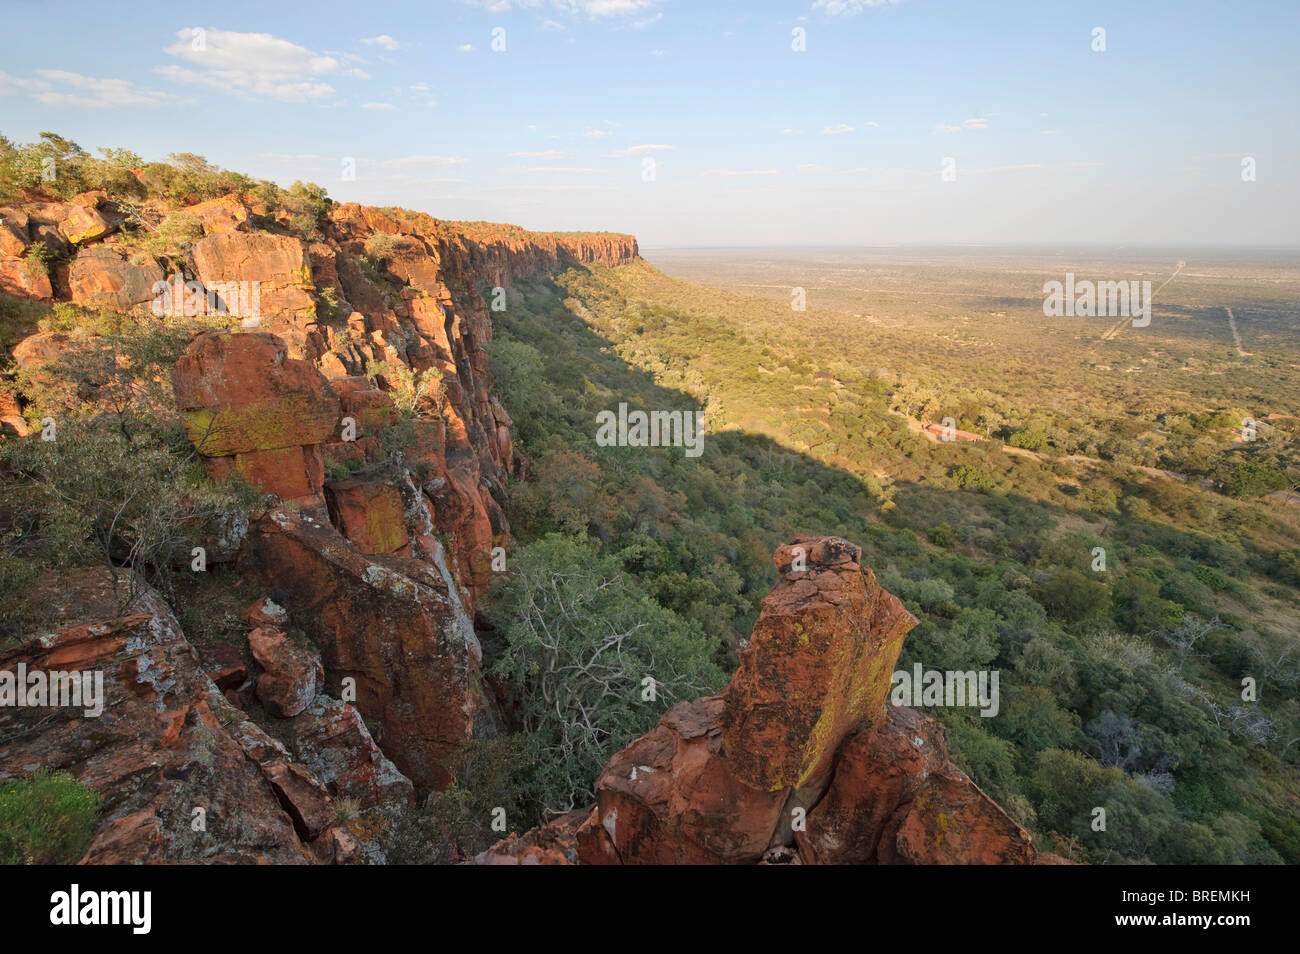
(392, 628)
(247, 406)
(799, 758)
(58, 227)
(184, 775)
(358, 562)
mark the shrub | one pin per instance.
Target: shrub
(1031, 438)
(973, 478)
(410, 390)
(941, 535)
(38, 259)
(380, 246)
(1073, 597)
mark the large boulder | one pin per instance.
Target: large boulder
(369, 513)
(222, 214)
(819, 664)
(671, 797)
(248, 407)
(24, 279)
(291, 674)
(102, 277)
(371, 409)
(14, 235)
(896, 798)
(82, 223)
(276, 262)
(242, 392)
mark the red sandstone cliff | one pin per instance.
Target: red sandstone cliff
(358, 562)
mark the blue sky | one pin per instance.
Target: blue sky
(753, 142)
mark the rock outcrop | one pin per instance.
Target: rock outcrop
(291, 674)
(330, 738)
(276, 263)
(103, 277)
(249, 407)
(394, 626)
(799, 758)
(184, 776)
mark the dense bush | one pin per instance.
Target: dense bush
(1096, 702)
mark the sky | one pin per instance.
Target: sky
(698, 123)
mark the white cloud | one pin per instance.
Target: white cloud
(606, 8)
(1051, 132)
(642, 24)
(422, 95)
(378, 106)
(1035, 166)
(637, 150)
(256, 64)
(548, 154)
(838, 129)
(835, 8)
(413, 163)
(294, 157)
(596, 133)
(941, 128)
(62, 88)
(10, 84)
(975, 123)
(384, 41)
(791, 132)
(732, 173)
(466, 47)
(656, 52)
(874, 125)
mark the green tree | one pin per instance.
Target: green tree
(584, 650)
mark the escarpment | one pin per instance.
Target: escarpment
(358, 393)
(377, 550)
